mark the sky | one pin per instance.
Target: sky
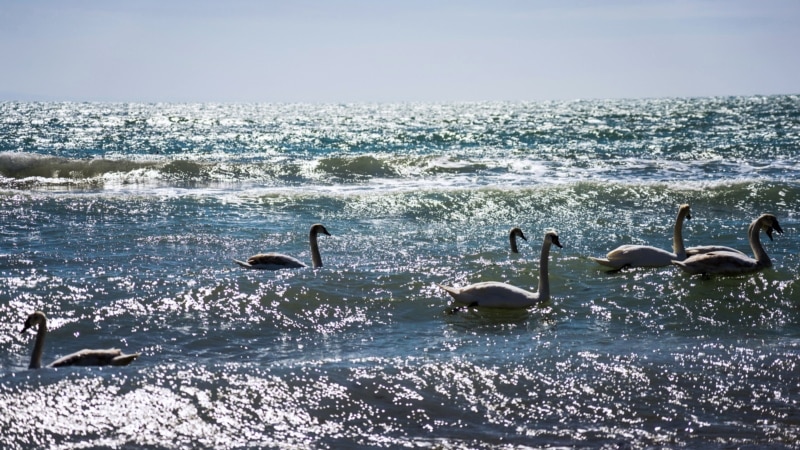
(348, 51)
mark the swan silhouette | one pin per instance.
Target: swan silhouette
(646, 255)
(734, 263)
(86, 357)
(493, 294)
(277, 261)
(515, 233)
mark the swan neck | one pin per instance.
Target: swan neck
(513, 240)
(316, 258)
(544, 280)
(755, 244)
(677, 237)
(38, 347)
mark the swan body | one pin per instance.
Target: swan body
(648, 256)
(85, 357)
(515, 233)
(701, 249)
(494, 294)
(734, 263)
(277, 261)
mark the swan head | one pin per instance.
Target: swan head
(685, 211)
(552, 238)
(319, 228)
(517, 232)
(769, 224)
(34, 319)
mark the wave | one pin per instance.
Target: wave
(378, 171)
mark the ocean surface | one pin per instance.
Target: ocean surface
(121, 222)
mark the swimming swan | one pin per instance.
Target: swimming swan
(646, 255)
(276, 261)
(86, 357)
(512, 238)
(733, 263)
(494, 294)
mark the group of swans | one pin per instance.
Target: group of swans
(492, 294)
(707, 260)
(114, 357)
(703, 260)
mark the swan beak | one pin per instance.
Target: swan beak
(689, 216)
(556, 242)
(775, 227)
(523, 237)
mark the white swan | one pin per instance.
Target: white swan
(515, 233)
(733, 263)
(702, 249)
(86, 357)
(646, 255)
(276, 261)
(494, 294)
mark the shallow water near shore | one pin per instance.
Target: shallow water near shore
(121, 222)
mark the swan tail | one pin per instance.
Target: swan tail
(124, 360)
(682, 265)
(604, 262)
(449, 289)
(243, 264)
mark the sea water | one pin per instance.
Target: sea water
(121, 222)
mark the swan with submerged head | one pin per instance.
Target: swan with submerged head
(86, 357)
(277, 261)
(734, 263)
(493, 294)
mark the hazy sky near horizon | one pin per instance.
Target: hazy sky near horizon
(395, 51)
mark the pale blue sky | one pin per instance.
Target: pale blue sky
(395, 51)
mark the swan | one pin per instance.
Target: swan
(701, 249)
(85, 357)
(494, 294)
(515, 233)
(646, 255)
(276, 261)
(733, 263)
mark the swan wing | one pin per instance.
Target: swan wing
(607, 262)
(637, 256)
(492, 294)
(271, 261)
(701, 249)
(87, 357)
(718, 263)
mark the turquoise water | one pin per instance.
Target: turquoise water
(121, 221)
